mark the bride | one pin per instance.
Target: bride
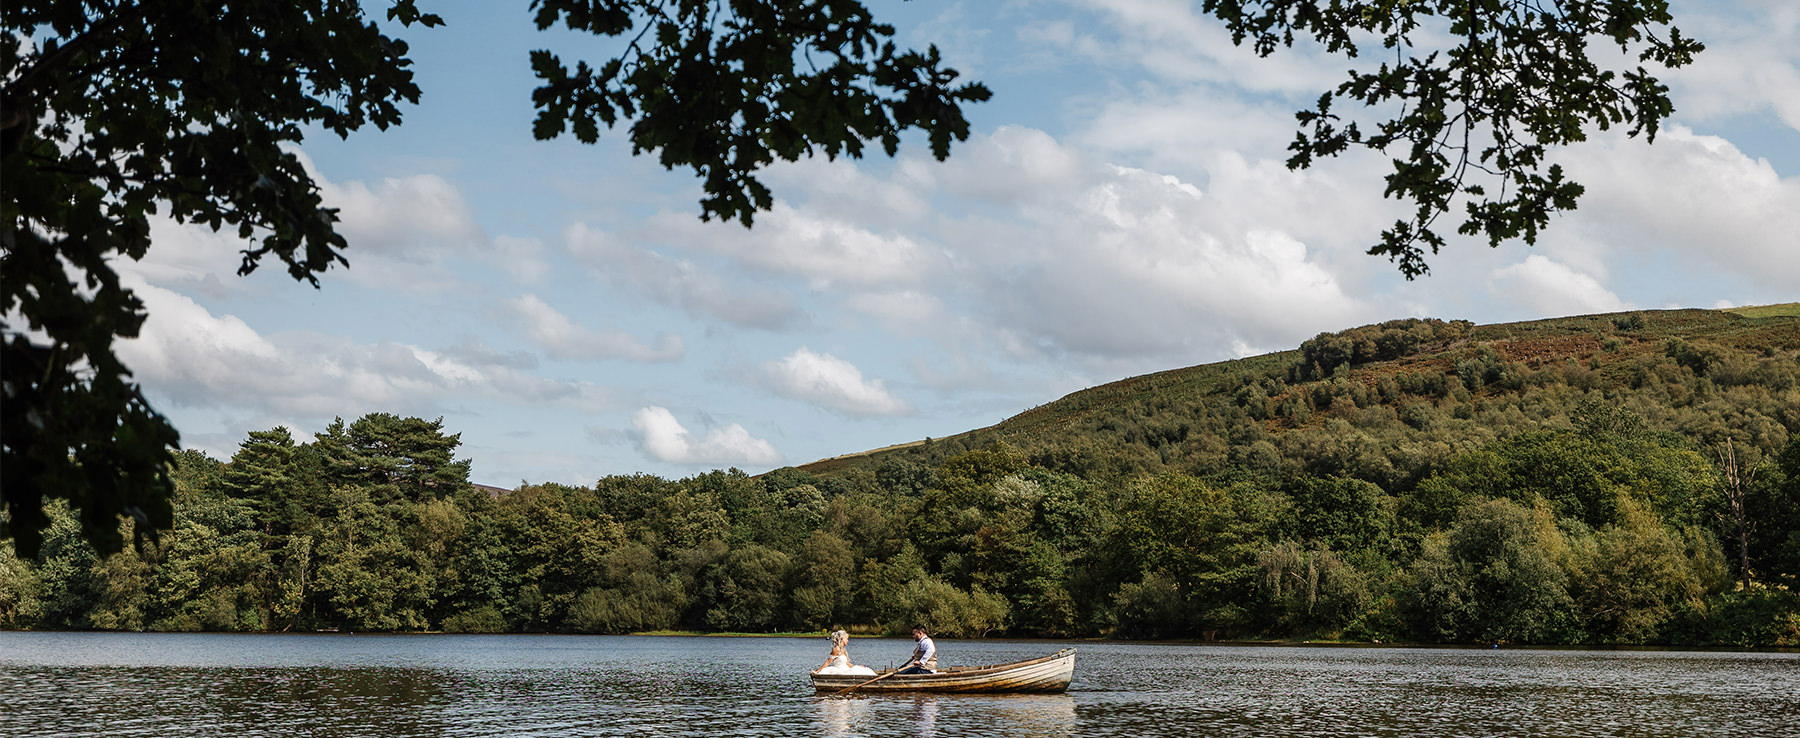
(839, 660)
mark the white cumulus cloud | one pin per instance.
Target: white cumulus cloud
(1694, 196)
(401, 232)
(1127, 263)
(406, 217)
(831, 382)
(1751, 63)
(1552, 288)
(663, 438)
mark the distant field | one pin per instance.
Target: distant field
(1768, 311)
(908, 444)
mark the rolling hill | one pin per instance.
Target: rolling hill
(1417, 390)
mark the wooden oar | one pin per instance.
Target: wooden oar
(847, 690)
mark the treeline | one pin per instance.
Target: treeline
(1604, 533)
(1612, 479)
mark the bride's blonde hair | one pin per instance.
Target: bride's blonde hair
(839, 638)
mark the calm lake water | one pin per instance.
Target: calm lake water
(123, 684)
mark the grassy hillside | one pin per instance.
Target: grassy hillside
(1790, 309)
(1704, 374)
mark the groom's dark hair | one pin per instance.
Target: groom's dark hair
(921, 629)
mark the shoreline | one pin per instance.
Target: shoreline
(1309, 643)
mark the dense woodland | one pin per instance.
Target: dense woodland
(1631, 478)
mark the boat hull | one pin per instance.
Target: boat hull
(1048, 674)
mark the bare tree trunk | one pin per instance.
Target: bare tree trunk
(1736, 484)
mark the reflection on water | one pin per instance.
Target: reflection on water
(98, 684)
(1027, 716)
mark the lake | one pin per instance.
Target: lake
(142, 684)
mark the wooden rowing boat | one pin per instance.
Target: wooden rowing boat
(1047, 674)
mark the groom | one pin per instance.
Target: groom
(924, 655)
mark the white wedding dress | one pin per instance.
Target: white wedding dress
(840, 664)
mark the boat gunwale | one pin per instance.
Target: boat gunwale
(889, 680)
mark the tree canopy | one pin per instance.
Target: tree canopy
(119, 111)
(304, 536)
(1514, 80)
(719, 87)
(114, 111)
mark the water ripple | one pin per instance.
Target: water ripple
(80, 685)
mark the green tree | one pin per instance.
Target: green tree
(1519, 75)
(1204, 539)
(412, 457)
(632, 500)
(905, 477)
(262, 467)
(1011, 559)
(1152, 608)
(484, 619)
(66, 589)
(719, 88)
(114, 111)
(745, 590)
(944, 609)
(1343, 514)
(824, 580)
(967, 479)
(880, 584)
(436, 532)
(1633, 578)
(1580, 475)
(953, 513)
(637, 596)
(483, 577)
(1491, 578)
(194, 472)
(1310, 590)
(211, 567)
(19, 603)
(554, 555)
(1324, 353)
(294, 578)
(1775, 505)
(644, 601)
(123, 581)
(371, 579)
(687, 520)
(277, 479)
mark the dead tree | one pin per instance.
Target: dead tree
(1737, 483)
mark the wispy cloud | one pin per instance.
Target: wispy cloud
(679, 283)
(564, 339)
(198, 359)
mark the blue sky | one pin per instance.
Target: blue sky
(1121, 208)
